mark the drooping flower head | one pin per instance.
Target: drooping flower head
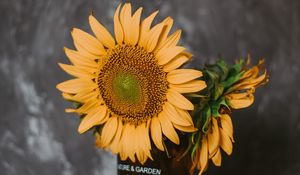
(130, 87)
(228, 88)
(240, 95)
(218, 137)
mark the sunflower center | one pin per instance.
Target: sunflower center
(127, 88)
(132, 84)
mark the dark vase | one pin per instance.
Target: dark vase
(164, 163)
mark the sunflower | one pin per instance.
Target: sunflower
(130, 88)
(238, 84)
(218, 137)
(240, 95)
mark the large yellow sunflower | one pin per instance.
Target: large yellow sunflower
(131, 86)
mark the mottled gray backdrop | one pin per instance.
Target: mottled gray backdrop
(38, 138)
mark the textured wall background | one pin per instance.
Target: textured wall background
(38, 138)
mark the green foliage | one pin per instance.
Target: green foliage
(234, 75)
(216, 105)
(219, 78)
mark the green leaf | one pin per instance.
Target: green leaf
(224, 67)
(215, 106)
(236, 68)
(234, 74)
(219, 88)
(231, 80)
(212, 75)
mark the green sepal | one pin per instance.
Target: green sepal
(166, 148)
(232, 79)
(219, 88)
(196, 145)
(195, 115)
(234, 74)
(206, 114)
(237, 67)
(224, 67)
(212, 75)
(215, 106)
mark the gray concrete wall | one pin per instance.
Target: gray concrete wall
(38, 138)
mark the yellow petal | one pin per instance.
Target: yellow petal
(237, 95)
(78, 60)
(143, 143)
(122, 153)
(180, 76)
(132, 143)
(255, 82)
(226, 124)
(118, 27)
(98, 140)
(203, 155)
(190, 128)
(81, 97)
(126, 21)
(88, 42)
(241, 103)
(101, 32)
(153, 37)
(171, 41)
(156, 134)
(122, 16)
(213, 138)
(186, 115)
(135, 27)
(128, 141)
(95, 117)
(179, 100)
(144, 29)
(77, 85)
(173, 115)
(109, 130)
(250, 83)
(88, 106)
(167, 128)
(217, 158)
(114, 146)
(141, 156)
(188, 87)
(165, 55)
(82, 51)
(225, 142)
(195, 161)
(146, 137)
(168, 23)
(76, 71)
(69, 110)
(251, 73)
(67, 96)
(178, 61)
(84, 97)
